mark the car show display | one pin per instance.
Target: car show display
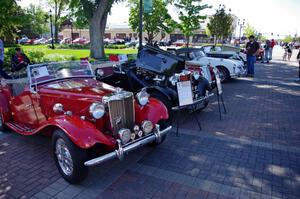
(90, 122)
(158, 72)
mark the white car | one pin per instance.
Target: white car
(228, 68)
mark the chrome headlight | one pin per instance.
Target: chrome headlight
(147, 126)
(173, 80)
(124, 135)
(196, 75)
(142, 97)
(97, 110)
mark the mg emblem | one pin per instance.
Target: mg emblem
(118, 120)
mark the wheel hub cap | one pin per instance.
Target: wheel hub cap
(64, 157)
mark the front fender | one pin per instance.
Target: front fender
(154, 111)
(83, 133)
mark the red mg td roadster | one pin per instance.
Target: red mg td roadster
(90, 122)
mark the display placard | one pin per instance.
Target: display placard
(218, 81)
(185, 94)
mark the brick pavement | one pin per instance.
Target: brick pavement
(252, 153)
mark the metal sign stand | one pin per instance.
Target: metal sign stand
(219, 95)
(179, 113)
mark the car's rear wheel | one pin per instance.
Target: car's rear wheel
(69, 158)
(223, 73)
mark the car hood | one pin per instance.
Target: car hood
(88, 89)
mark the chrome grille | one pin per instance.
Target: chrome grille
(121, 111)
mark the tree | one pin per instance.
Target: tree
(9, 19)
(58, 7)
(249, 30)
(153, 23)
(95, 13)
(33, 22)
(189, 16)
(220, 24)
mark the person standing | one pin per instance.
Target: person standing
(267, 47)
(298, 59)
(252, 48)
(289, 51)
(2, 72)
(272, 44)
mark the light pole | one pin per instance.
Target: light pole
(241, 24)
(50, 16)
(141, 25)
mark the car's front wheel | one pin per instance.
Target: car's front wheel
(69, 158)
(223, 73)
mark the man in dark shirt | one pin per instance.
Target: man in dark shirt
(252, 48)
(19, 60)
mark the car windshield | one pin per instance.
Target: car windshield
(40, 73)
(199, 54)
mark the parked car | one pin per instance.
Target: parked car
(227, 68)
(40, 41)
(90, 121)
(158, 72)
(81, 41)
(66, 40)
(49, 41)
(179, 43)
(23, 40)
(224, 51)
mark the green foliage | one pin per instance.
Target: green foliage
(9, 19)
(73, 46)
(36, 56)
(220, 24)
(154, 22)
(249, 30)
(58, 57)
(33, 22)
(189, 16)
(115, 46)
(288, 39)
(9, 52)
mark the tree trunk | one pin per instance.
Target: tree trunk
(97, 28)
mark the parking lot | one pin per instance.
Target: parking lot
(253, 152)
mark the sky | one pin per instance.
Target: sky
(267, 16)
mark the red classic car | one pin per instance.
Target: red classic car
(90, 122)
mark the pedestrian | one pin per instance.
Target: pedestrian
(285, 48)
(272, 44)
(2, 72)
(252, 48)
(298, 59)
(289, 51)
(267, 46)
(19, 60)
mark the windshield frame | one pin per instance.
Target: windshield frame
(33, 82)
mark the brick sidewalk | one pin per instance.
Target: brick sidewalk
(253, 152)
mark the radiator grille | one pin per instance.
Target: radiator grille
(121, 112)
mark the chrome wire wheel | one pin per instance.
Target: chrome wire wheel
(64, 157)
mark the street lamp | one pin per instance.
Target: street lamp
(50, 16)
(241, 24)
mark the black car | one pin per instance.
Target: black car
(158, 72)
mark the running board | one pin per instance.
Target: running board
(20, 128)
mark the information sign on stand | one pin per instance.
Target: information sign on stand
(185, 94)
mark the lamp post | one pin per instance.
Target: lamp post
(241, 23)
(50, 16)
(141, 25)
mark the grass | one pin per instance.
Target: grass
(74, 52)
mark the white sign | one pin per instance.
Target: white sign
(185, 95)
(40, 72)
(218, 81)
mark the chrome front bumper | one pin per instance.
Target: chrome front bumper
(119, 153)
